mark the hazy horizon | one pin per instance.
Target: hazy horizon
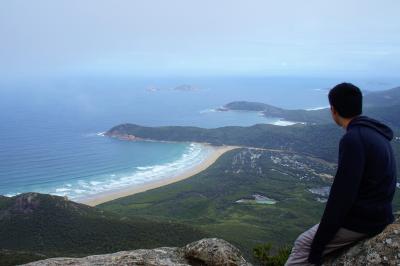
(187, 38)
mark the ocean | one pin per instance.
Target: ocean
(51, 137)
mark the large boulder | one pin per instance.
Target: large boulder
(209, 251)
(382, 249)
(213, 251)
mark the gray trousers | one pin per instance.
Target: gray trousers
(302, 244)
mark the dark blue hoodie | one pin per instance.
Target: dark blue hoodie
(365, 182)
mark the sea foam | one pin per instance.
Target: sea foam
(193, 155)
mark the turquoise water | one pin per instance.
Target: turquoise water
(50, 137)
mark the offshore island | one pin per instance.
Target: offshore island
(261, 183)
(315, 129)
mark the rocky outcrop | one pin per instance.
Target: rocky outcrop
(213, 251)
(209, 251)
(382, 249)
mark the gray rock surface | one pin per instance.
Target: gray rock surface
(209, 251)
(214, 251)
(382, 249)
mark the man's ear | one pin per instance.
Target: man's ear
(333, 110)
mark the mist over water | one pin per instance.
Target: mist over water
(50, 141)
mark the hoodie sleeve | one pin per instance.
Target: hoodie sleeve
(343, 192)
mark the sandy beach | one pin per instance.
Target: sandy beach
(115, 194)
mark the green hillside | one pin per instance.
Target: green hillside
(316, 140)
(208, 200)
(314, 116)
(383, 105)
(383, 98)
(270, 190)
(53, 226)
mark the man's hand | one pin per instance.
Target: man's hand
(315, 258)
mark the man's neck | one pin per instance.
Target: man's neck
(346, 122)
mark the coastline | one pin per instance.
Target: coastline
(103, 197)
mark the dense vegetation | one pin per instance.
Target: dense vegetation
(53, 226)
(208, 199)
(263, 255)
(218, 202)
(315, 116)
(383, 98)
(15, 257)
(382, 105)
(317, 140)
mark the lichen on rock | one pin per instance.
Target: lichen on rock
(209, 251)
(382, 249)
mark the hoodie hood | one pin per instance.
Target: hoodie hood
(365, 121)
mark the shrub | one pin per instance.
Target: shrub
(262, 254)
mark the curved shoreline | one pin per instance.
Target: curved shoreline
(103, 197)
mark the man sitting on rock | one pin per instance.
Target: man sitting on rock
(360, 200)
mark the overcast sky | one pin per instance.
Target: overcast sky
(207, 37)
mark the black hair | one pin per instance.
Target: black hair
(346, 99)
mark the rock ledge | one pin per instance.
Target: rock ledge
(208, 251)
(382, 249)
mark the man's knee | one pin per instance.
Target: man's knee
(301, 247)
(305, 239)
(301, 242)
